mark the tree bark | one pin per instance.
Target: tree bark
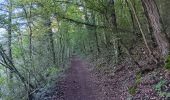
(159, 34)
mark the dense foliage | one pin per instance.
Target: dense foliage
(37, 38)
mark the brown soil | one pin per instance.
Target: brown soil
(82, 82)
(78, 84)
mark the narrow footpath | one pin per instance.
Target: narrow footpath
(78, 84)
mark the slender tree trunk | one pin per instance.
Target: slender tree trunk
(9, 48)
(132, 17)
(110, 21)
(9, 64)
(140, 27)
(156, 26)
(52, 47)
(113, 14)
(117, 47)
(87, 19)
(10, 34)
(95, 33)
(60, 51)
(50, 34)
(28, 16)
(10, 31)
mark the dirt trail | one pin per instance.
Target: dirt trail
(78, 84)
(82, 82)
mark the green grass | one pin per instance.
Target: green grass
(133, 89)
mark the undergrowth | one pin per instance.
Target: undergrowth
(160, 87)
(167, 63)
(133, 89)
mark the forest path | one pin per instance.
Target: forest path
(78, 84)
(83, 82)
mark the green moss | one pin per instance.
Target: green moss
(167, 63)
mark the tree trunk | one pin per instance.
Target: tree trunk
(91, 33)
(132, 18)
(95, 33)
(10, 31)
(159, 34)
(50, 34)
(9, 64)
(9, 34)
(113, 14)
